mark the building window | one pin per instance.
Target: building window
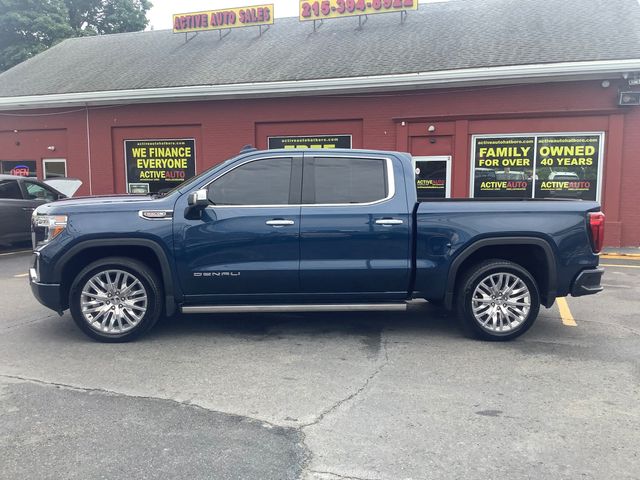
(22, 168)
(433, 177)
(555, 165)
(54, 168)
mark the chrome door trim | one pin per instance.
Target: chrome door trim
(387, 222)
(391, 184)
(279, 223)
(332, 307)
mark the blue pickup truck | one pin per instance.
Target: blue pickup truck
(312, 230)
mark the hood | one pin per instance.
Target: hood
(105, 200)
(104, 204)
(66, 186)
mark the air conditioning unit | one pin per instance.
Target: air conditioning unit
(629, 98)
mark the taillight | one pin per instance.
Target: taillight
(596, 227)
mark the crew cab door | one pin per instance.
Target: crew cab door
(246, 243)
(355, 228)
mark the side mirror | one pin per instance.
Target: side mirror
(197, 202)
(198, 199)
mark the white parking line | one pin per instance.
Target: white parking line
(14, 253)
(21, 275)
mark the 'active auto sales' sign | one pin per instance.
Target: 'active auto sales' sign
(222, 19)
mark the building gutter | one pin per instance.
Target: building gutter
(504, 75)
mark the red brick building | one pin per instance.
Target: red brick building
(449, 78)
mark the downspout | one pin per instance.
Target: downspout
(89, 149)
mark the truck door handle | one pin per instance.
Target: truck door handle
(387, 222)
(279, 222)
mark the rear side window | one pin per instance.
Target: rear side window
(10, 189)
(347, 180)
(262, 182)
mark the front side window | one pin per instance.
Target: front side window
(38, 192)
(261, 182)
(349, 180)
(10, 189)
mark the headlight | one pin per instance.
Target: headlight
(47, 227)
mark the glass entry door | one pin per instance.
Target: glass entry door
(433, 177)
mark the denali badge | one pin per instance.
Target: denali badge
(216, 274)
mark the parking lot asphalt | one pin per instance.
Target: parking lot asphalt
(323, 396)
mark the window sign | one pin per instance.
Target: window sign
(22, 168)
(311, 141)
(504, 167)
(562, 165)
(156, 165)
(567, 167)
(432, 177)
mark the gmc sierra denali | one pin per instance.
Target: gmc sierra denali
(312, 230)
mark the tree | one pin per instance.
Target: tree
(28, 27)
(89, 17)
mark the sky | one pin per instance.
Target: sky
(160, 16)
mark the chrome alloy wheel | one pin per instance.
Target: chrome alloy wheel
(501, 303)
(113, 301)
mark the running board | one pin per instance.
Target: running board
(332, 307)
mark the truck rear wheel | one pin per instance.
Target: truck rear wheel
(115, 299)
(497, 300)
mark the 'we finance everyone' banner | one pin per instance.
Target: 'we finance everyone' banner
(157, 165)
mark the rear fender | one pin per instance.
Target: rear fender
(548, 296)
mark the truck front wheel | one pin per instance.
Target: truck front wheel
(115, 299)
(497, 300)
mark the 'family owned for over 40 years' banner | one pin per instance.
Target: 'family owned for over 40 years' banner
(538, 166)
(504, 167)
(157, 165)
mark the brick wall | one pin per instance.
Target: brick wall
(390, 121)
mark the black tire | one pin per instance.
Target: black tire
(145, 275)
(472, 326)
